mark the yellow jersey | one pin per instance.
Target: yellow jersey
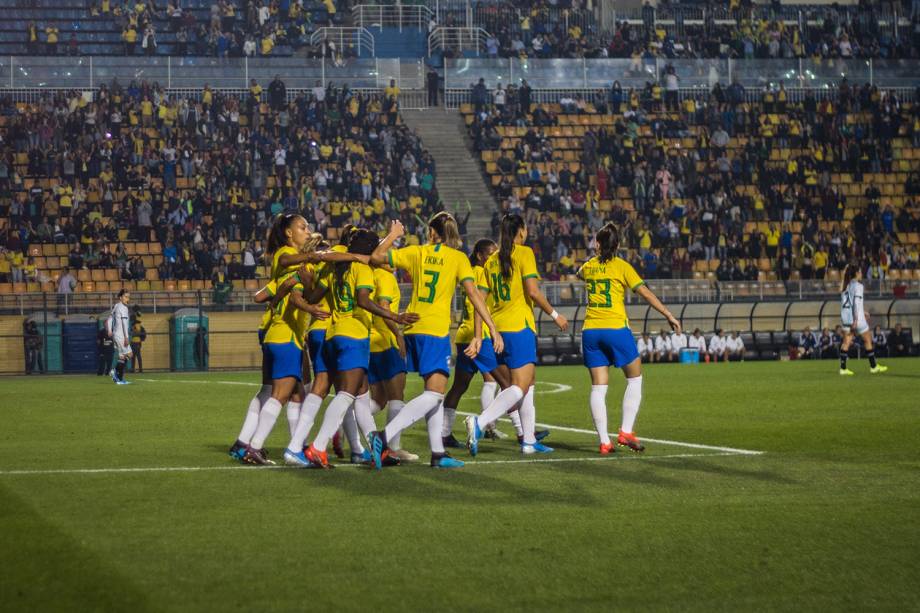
(435, 270)
(277, 272)
(271, 288)
(510, 306)
(466, 329)
(319, 270)
(288, 323)
(606, 284)
(348, 319)
(385, 288)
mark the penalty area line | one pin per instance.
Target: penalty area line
(239, 467)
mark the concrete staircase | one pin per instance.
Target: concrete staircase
(460, 178)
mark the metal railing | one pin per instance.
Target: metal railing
(359, 39)
(386, 15)
(457, 39)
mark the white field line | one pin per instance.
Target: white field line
(186, 469)
(558, 388)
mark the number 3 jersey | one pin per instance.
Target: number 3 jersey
(435, 270)
(606, 284)
(510, 306)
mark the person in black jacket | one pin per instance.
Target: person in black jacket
(432, 82)
(105, 350)
(277, 94)
(899, 341)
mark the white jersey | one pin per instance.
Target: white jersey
(717, 345)
(643, 346)
(698, 343)
(662, 344)
(678, 341)
(851, 304)
(119, 322)
(734, 344)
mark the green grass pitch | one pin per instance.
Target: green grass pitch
(825, 518)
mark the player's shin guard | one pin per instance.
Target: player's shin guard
(414, 410)
(350, 426)
(335, 413)
(267, 417)
(435, 418)
(598, 402)
(502, 403)
(871, 356)
(120, 370)
(632, 398)
(293, 415)
(364, 414)
(394, 407)
(487, 395)
(843, 359)
(528, 413)
(251, 422)
(448, 420)
(308, 411)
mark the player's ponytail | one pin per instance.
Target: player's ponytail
(348, 231)
(511, 225)
(445, 226)
(362, 242)
(276, 234)
(608, 241)
(849, 273)
(479, 250)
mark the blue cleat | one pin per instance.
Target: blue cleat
(473, 434)
(122, 382)
(237, 451)
(537, 447)
(296, 458)
(378, 447)
(361, 458)
(443, 460)
(541, 434)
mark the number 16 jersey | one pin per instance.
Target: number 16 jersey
(510, 306)
(606, 284)
(435, 270)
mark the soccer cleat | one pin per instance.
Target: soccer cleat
(387, 459)
(337, 444)
(473, 434)
(257, 457)
(628, 439)
(846, 372)
(492, 432)
(443, 460)
(450, 442)
(878, 369)
(296, 458)
(608, 448)
(361, 458)
(317, 458)
(122, 382)
(529, 448)
(539, 435)
(237, 450)
(378, 447)
(403, 456)
(113, 375)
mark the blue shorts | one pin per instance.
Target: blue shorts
(345, 353)
(520, 348)
(315, 341)
(385, 365)
(426, 354)
(285, 360)
(606, 346)
(484, 362)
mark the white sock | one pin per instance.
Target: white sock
(335, 413)
(502, 403)
(252, 413)
(350, 426)
(414, 410)
(293, 415)
(364, 414)
(375, 407)
(435, 419)
(308, 411)
(393, 409)
(267, 416)
(632, 398)
(598, 404)
(448, 421)
(528, 413)
(515, 417)
(487, 394)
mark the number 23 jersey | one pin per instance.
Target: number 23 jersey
(435, 270)
(606, 284)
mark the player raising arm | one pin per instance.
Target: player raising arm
(606, 338)
(436, 268)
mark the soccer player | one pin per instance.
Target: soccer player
(386, 374)
(436, 268)
(118, 327)
(513, 289)
(606, 338)
(484, 362)
(853, 317)
(347, 344)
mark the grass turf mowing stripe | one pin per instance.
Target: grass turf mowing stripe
(167, 469)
